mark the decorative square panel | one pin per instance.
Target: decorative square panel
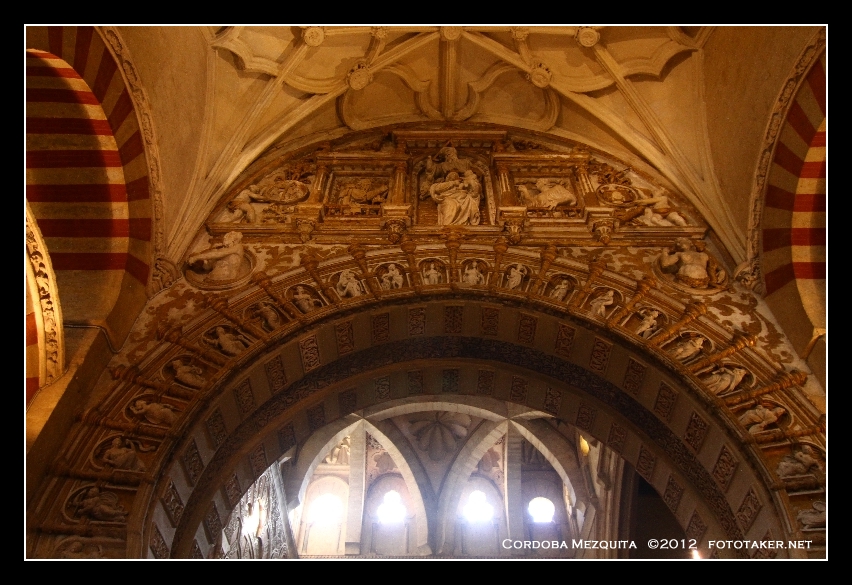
(415, 382)
(216, 428)
(245, 397)
(309, 350)
(485, 383)
(552, 400)
(726, 465)
(453, 320)
(696, 431)
(666, 398)
(600, 356)
(192, 462)
(564, 340)
(634, 376)
(381, 327)
(275, 374)
(416, 321)
(345, 336)
(586, 417)
(526, 329)
(518, 391)
(490, 321)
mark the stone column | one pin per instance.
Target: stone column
(357, 489)
(514, 502)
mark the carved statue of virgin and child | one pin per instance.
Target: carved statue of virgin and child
(453, 185)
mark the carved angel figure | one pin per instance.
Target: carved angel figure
(101, 506)
(517, 272)
(561, 290)
(304, 300)
(649, 323)
(653, 219)
(222, 260)
(472, 275)
(228, 343)
(392, 278)
(188, 374)
(432, 275)
(268, 315)
(724, 379)
(601, 302)
(155, 412)
(692, 267)
(348, 285)
(800, 462)
(240, 210)
(760, 417)
(688, 348)
(123, 456)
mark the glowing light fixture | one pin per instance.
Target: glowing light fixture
(696, 554)
(326, 509)
(541, 510)
(584, 447)
(391, 510)
(477, 508)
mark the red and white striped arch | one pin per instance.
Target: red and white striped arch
(794, 220)
(87, 176)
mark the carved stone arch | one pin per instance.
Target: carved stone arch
(558, 451)
(99, 58)
(312, 452)
(651, 437)
(413, 476)
(482, 439)
(625, 393)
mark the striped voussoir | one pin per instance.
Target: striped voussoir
(794, 227)
(87, 177)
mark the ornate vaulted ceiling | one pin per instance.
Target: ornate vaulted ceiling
(208, 204)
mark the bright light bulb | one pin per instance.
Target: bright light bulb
(541, 510)
(326, 509)
(696, 554)
(478, 509)
(391, 511)
(584, 447)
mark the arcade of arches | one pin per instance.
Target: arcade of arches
(425, 291)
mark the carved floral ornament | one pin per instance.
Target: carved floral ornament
(48, 312)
